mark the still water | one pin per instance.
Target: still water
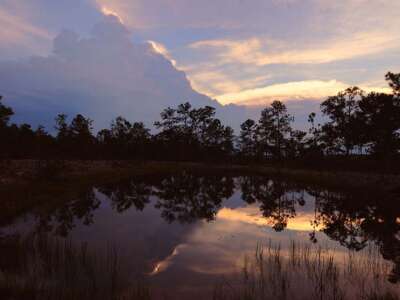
(185, 234)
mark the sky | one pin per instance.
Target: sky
(136, 57)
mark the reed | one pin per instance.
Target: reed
(310, 272)
(43, 267)
(40, 267)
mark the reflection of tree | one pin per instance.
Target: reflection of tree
(187, 197)
(340, 220)
(63, 219)
(123, 195)
(180, 197)
(10, 254)
(277, 199)
(354, 220)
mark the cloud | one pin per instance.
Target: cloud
(291, 91)
(17, 32)
(240, 65)
(102, 76)
(231, 46)
(193, 13)
(161, 49)
(108, 12)
(247, 52)
(265, 52)
(215, 83)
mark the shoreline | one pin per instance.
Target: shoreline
(20, 173)
(21, 191)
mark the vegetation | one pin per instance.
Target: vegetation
(44, 267)
(307, 272)
(357, 125)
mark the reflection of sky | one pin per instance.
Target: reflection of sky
(219, 247)
(196, 256)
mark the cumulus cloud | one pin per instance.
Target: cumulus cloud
(244, 52)
(102, 76)
(252, 38)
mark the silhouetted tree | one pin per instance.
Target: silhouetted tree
(44, 143)
(80, 134)
(357, 124)
(5, 114)
(295, 144)
(273, 129)
(6, 140)
(248, 139)
(394, 82)
(380, 115)
(191, 133)
(340, 133)
(125, 140)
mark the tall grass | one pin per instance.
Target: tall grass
(310, 272)
(40, 267)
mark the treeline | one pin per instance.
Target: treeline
(357, 124)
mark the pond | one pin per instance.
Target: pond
(191, 236)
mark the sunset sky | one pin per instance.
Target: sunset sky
(245, 52)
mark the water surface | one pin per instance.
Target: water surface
(185, 233)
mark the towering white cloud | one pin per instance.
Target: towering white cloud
(102, 76)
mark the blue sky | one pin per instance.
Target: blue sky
(246, 52)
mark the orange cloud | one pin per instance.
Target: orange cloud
(161, 49)
(252, 215)
(263, 51)
(300, 90)
(15, 30)
(109, 12)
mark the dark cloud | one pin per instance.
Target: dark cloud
(107, 75)
(102, 76)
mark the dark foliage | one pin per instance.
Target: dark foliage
(358, 124)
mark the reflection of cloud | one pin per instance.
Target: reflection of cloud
(161, 266)
(219, 247)
(251, 215)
